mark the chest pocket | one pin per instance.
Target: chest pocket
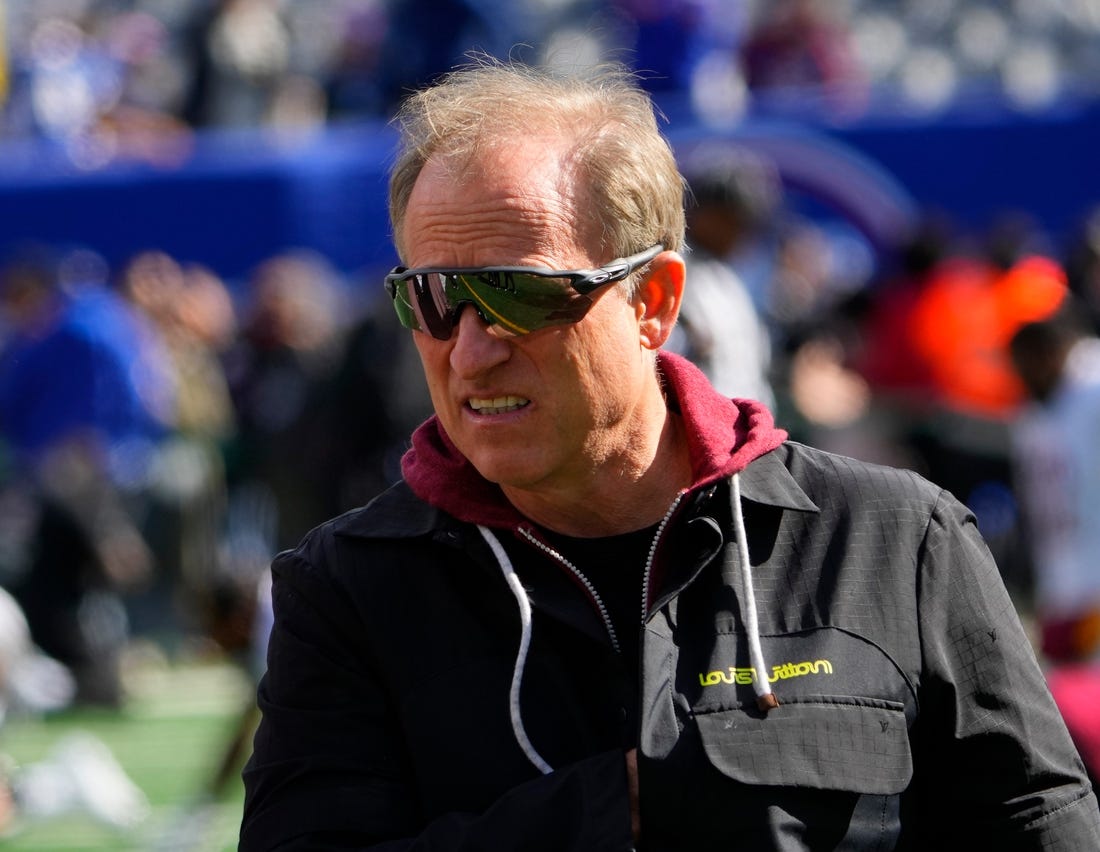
(842, 722)
(856, 745)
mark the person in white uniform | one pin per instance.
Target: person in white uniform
(1056, 461)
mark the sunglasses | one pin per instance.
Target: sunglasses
(518, 299)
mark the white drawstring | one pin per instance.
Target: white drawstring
(765, 698)
(524, 643)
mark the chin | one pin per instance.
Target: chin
(506, 469)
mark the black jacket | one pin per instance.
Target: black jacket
(911, 712)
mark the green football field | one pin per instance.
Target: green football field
(169, 737)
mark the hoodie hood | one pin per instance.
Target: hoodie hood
(724, 436)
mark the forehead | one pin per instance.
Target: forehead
(514, 203)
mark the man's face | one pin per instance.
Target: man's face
(540, 412)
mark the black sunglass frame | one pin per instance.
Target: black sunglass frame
(584, 281)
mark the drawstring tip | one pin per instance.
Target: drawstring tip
(767, 701)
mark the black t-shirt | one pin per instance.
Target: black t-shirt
(615, 566)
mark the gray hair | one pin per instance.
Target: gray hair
(635, 190)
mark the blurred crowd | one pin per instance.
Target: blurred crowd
(104, 79)
(163, 436)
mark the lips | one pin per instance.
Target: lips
(497, 405)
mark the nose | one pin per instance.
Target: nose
(476, 347)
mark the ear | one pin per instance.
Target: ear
(657, 302)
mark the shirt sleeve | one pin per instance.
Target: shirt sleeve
(330, 769)
(998, 761)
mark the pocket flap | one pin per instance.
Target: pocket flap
(817, 743)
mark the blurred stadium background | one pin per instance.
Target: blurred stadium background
(223, 132)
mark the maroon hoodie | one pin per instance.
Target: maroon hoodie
(724, 435)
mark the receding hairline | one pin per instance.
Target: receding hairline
(509, 95)
(488, 103)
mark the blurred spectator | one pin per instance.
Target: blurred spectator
(823, 399)
(965, 317)
(1083, 267)
(889, 356)
(801, 49)
(970, 302)
(79, 774)
(31, 682)
(86, 394)
(733, 194)
(193, 312)
(350, 68)
(240, 54)
(1056, 461)
(663, 38)
(1056, 467)
(279, 370)
(803, 288)
(377, 397)
(426, 38)
(87, 83)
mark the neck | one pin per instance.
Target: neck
(618, 497)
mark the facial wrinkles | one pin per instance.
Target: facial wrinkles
(511, 212)
(608, 375)
(615, 446)
(521, 209)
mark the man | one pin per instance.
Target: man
(608, 608)
(719, 328)
(1055, 462)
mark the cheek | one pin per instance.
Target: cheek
(614, 346)
(434, 359)
(606, 363)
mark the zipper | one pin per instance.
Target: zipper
(576, 572)
(653, 553)
(601, 607)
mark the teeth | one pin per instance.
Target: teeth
(497, 405)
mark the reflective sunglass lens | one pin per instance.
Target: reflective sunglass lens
(516, 303)
(515, 300)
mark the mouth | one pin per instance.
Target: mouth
(496, 405)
